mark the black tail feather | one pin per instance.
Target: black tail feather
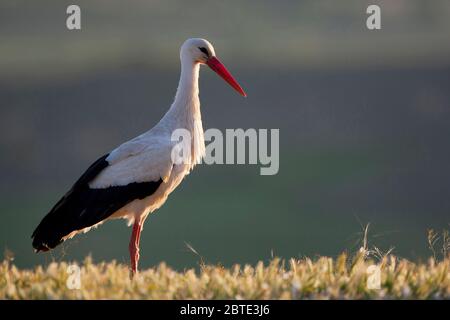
(83, 207)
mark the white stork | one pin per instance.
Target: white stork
(136, 178)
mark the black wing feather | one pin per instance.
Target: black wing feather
(83, 207)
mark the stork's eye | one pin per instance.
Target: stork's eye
(204, 50)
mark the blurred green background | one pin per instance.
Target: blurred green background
(363, 115)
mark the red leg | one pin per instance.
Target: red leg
(134, 245)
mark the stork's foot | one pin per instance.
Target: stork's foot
(134, 246)
(134, 258)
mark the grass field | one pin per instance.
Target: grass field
(321, 278)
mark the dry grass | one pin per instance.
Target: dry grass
(323, 278)
(346, 277)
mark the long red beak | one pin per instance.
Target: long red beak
(220, 69)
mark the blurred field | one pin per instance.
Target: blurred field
(321, 278)
(320, 34)
(356, 147)
(363, 119)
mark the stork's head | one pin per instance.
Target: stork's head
(197, 50)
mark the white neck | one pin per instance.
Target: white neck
(186, 103)
(187, 91)
(185, 110)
